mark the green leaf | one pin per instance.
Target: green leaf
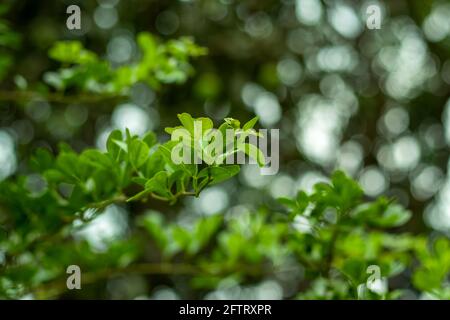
(343, 194)
(138, 153)
(68, 164)
(289, 203)
(114, 149)
(187, 121)
(394, 216)
(159, 184)
(71, 52)
(233, 123)
(249, 125)
(381, 213)
(150, 139)
(96, 158)
(170, 130)
(42, 160)
(206, 124)
(253, 152)
(219, 174)
(176, 177)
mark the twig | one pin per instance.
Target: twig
(331, 250)
(56, 288)
(57, 97)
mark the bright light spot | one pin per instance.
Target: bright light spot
(105, 17)
(396, 120)
(350, 157)
(134, 118)
(229, 289)
(308, 12)
(408, 65)
(302, 224)
(268, 109)
(164, 293)
(282, 186)
(102, 138)
(446, 120)
(251, 176)
(289, 71)
(8, 161)
(373, 181)
(403, 155)
(437, 215)
(427, 182)
(319, 128)
(213, 200)
(250, 93)
(337, 58)
(433, 135)
(269, 290)
(379, 286)
(406, 153)
(345, 21)
(120, 49)
(308, 179)
(437, 25)
(108, 226)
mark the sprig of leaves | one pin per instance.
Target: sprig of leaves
(159, 63)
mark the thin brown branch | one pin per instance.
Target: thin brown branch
(58, 287)
(57, 97)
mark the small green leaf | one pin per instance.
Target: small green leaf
(235, 124)
(71, 52)
(42, 160)
(138, 153)
(159, 184)
(170, 130)
(150, 139)
(250, 124)
(381, 213)
(219, 174)
(206, 124)
(111, 144)
(187, 121)
(96, 158)
(253, 152)
(394, 216)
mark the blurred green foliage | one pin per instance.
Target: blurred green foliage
(9, 40)
(160, 63)
(344, 236)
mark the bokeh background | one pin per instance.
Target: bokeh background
(374, 103)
